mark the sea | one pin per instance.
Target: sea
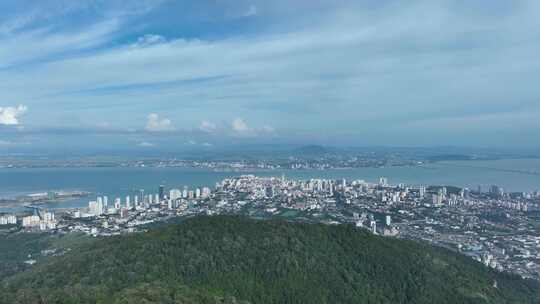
(514, 175)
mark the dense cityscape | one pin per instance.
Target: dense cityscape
(489, 225)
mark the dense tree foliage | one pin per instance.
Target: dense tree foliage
(16, 248)
(228, 259)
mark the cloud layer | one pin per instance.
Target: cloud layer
(346, 72)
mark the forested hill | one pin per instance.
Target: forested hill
(227, 259)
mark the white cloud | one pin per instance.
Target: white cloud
(191, 142)
(207, 144)
(157, 124)
(207, 126)
(146, 144)
(10, 115)
(5, 143)
(239, 126)
(149, 40)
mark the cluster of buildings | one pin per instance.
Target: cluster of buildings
(41, 220)
(141, 202)
(8, 219)
(496, 228)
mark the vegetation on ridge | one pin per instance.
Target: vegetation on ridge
(231, 259)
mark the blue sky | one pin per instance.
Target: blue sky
(182, 74)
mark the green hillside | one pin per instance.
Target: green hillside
(227, 259)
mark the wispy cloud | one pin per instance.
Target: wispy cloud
(46, 44)
(356, 65)
(146, 144)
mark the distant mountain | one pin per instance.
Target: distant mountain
(313, 150)
(229, 259)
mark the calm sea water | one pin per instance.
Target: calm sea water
(511, 174)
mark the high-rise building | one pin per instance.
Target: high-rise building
(373, 226)
(175, 194)
(30, 221)
(95, 207)
(496, 191)
(205, 192)
(141, 195)
(161, 192)
(8, 219)
(185, 192)
(117, 203)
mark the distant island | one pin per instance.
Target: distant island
(269, 158)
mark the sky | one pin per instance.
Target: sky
(150, 75)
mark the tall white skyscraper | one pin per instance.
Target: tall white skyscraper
(117, 203)
(175, 194)
(373, 226)
(95, 207)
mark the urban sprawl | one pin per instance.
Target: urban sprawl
(499, 229)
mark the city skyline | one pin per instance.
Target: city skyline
(181, 75)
